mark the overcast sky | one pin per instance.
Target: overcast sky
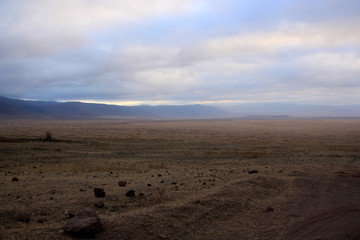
(181, 51)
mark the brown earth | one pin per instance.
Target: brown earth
(193, 176)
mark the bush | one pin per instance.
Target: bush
(48, 136)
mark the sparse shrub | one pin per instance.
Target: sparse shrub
(48, 136)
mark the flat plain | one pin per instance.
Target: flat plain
(193, 179)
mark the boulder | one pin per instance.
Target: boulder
(85, 224)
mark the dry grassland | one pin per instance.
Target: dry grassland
(193, 176)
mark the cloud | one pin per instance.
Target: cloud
(183, 51)
(45, 27)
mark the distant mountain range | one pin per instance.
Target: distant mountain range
(14, 108)
(43, 109)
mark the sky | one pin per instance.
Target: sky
(133, 52)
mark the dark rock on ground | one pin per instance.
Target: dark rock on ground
(14, 179)
(252, 171)
(99, 204)
(22, 217)
(269, 209)
(149, 185)
(122, 183)
(99, 192)
(69, 214)
(85, 224)
(130, 193)
(41, 220)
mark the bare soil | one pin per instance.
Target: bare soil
(191, 178)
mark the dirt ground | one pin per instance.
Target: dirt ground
(192, 179)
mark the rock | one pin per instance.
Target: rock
(269, 209)
(41, 220)
(159, 175)
(22, 217)
(99, 204)
(99, 192)
(14, 179)
(69, 214)
(130, 193)
(252, 171)
(122, 183)
(86, 224)
(149, 185)
(142, 195)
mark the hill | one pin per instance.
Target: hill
(49, 109)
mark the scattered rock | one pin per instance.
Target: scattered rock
(269, 209)
(149, 185)
(174, 183)
(14, 179)
(122, 183)
(130, 193)
(41, 220)
(82, 190)
(252, 171)
(159, 175)
(69, 214)
(99, 192)
(22, 217)
(99, 204)
(86, 224)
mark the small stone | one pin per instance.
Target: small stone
(130, 193)
(174, 183)
(122, 183)
(69, 214)
(99, 204)
(22, 217)
(41, 220)
(99, 192)
(142, 195)
(252, 171)
(149, 185)
(269, 209)
(159, 175)
(14, 179)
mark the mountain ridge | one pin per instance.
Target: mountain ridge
(50, 109)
